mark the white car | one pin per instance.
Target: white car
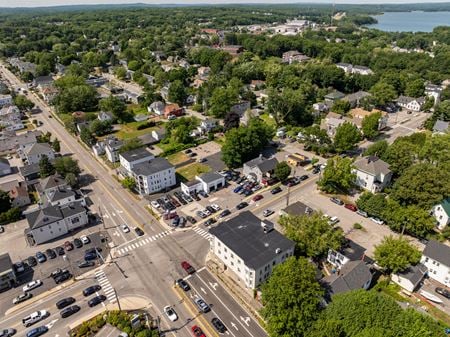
(170, 313)
(31, 285)
(268, 212)
(215, 207)
(206, 212)
(125, 228)
(154, 204)
(85, 239)
(333, 220)
(377, 221)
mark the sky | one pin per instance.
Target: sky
(39, 3)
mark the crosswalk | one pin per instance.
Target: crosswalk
(203, 233)
(141, 242)
(107, 288)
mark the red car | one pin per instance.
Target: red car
(187, 267)
(197, 332)
(351, 207)
(257, 197)
(68, 245)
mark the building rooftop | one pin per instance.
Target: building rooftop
(5, 263)
(60, 193)
(298, 208)
(136, 154)
(52, 182)
(38, 148)
(264, 164)
(245, 236)
(438, 252)
(151, 167)
(441, 126)
(372, 165)
(353, 275)
(44, 216)
(414, 274)
(446, 205)
(210, 177)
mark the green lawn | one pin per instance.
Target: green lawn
(136, 109)
(130, 130)
(177, 158)
(190, 171)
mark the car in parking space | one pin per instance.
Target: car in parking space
(183, 284)
(377, 221)
(22, 298)
(7, 332)
(57, 272)
(191, 219)
(209, 222)
(170, 215)
(201, 160)
(192, 154)
(201, 304)
(337, 201)
(86, 264)
(351, 207)
(176, 221)
(77, 243)
(268, 212)
(333, 220)
(125, 228)
(90, 290)
(238, 189)
(187, 267)
(210, 209)
(442, 291)
(96, 300)
(316, 169)
(362, 213)
(182, 222)
(216, 207)
(188, 151)
(224, 213)
(85, 239)
(2, 229)
(41, 257)
(62, 277)
(248, 192)
(31, 261)
(69, 311)
(241, 205)
(187, 197)
(170, 313)
(91, 256)
(197, 332)
(64, 302)
(59, 250)
(201, 214)
(303, 177)
(276, 190)
(218, 325)
(50, 253)
(257, 197)
(31, 285)
(68, 246)
(138, 231)
(36, 332)
(203, 194)
(155, 204)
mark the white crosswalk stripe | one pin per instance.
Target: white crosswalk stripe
(106, 286)
(141, 242)
(203, 233)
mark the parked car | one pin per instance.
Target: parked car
(362, 213)
(377, 221)
(7, 332)
(224, 213)
(442, 291)
(35, 317)
(63, 277)
(316, 169)
(191, 219)
(238, 189)
(125, 228)
(182, 222)
(187, 267)
(41, 257)
(96, 300)
(69, 311)
(201, 304)
(333, 220)
(59, 250)
(276, 190)
(90, 290)
(303, 177)
(91, 256)
(337, 201)
(201, 160)
(85, 239)
(218, 325)
(209, 222)
(36, 332)
(155, 204)
(50, 253)
(242, 205)
(197, 332)
(201, 214)
(22, 298)
(86, 264)
(170, 313)
(176, 221)
(216, 207)
(77, 243)
(257, 197)
(19, 267)
(31, 260)
(64, 302)
(351, 207)
(268, 212)
(139, 232)
(183, 284)
(203, 194)
(31, 285)
(210, 209)
(57, 272)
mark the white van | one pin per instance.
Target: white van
(35, 317)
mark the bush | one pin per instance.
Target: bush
(146, 125)
(357, 225)
(10, 215)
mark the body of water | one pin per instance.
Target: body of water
(411, 21)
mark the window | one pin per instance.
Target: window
(426, 259)
(273, 263)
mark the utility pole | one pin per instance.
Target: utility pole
(117, 297)
(101, 216)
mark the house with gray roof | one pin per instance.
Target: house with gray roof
(7, 273)
(131, 158)
(372, 173)
(35, 152)
(153, 175)
(356, 98)
(297, 209)
(51, 222)
(333, 97)
(436, 257)
(260, 168)
(441, 127)
(352, 275)
(52, 183)
(5, 167)
(411, 103)
(112, 147)
(249, 247)
(410, 278)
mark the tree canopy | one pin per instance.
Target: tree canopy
(396, 254)
(337, 177)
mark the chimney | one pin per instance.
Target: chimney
(260, 156)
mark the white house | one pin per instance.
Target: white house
(159, 134)
(10, 118)
(260, 168)
(361, 70)
(34, 153)
(153, 175)
(346, 67)
(249, 247)
(99, 148)
(433, 90)
(5, 100)
(441, 213)
(112, 147)
(157, 108)
(207, 182)
(372, 174)
(51, 222)
(131, 158)
(410, 278)
(292, 56)
(410, 103)
(206, 126)
(436, 257)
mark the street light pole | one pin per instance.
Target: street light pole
(117, 297)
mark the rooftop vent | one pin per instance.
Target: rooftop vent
(278, 251)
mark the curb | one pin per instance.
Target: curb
(206, 326)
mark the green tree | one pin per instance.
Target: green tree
(415, 88)
(56, 145)
(374, 204)
(131, 144)
(245, 142)
(312, 234)
(120, 72)
(71, 179)
(45, 167)
(396, 254)
(5, 201)
(115, 106)
(231, 120)
(100, 128)
(87, 137)
(346, 137)
(220, 102)
(383, 93)
(337, 177)
(341, 107)
(76, 98)
(289, 106)
(291, 298)
(400, 155)
(128, 183)
(282, 170)
(23, 103)
(436, 150)
(370, 125)
(65, 165)
(377, 149)
(177, 92)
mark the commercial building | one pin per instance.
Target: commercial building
(206, 182)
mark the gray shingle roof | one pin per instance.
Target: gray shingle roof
(353, 275)
(52, 182)
(136, 154)
(438, 252)
(372, 165)
(414, 274)
(44, 216)
(72, 209)
(264, 164)
(151, 167)
(5, 263)
(297, 208)
(61, 193)
(441, 126)
(39, 148)
(209, 177)
(244, 235)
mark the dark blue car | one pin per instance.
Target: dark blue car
(37, 331)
